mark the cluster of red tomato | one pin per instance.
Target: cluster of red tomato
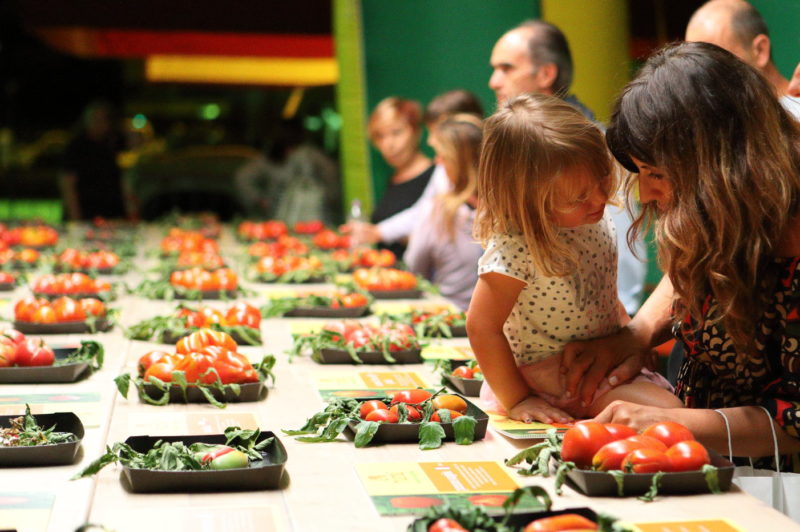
(239, 314)
(267, 230)
(467, 372)
(196, 355)
(377, 410)
(68, 284)
(64, 309)
(666, 446)
(557, 523)
(27, 256)
(365, 257)
(328, 239)
(35, 236)
(181, 240)
(348, 300)
(308, 227)
(370, 337)
(283, 246)
(17, 350)
(203, 259)
(7, 278)
(379, 279)
(278, 266)
(205, 280)
(75, 259)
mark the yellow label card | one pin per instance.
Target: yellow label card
(709, 525)
(371, 380)
(448, 352)
(173, 423)
(409, 478)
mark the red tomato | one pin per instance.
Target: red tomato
(369, 406)
(382, 415)
(619, 431)
(44, 314)
(6, 277)
(668, 432)
(93, 306)
(561, 523)
(582, 442)
(360, 338)
(148, 359)
(487, 499)
(413, 413)
(688, 455)
(446, 525)
(194, 365)
(212, 315)
(34, 352)
(232, 367)
(24, 308)
(610, 456)
(450, 402)
(646, 461)
(68, 309)
(464, 372)
(243, 314)
(14, 335)
(648, 443)
(413, 397)
(453, 414)
(8, 355)
(160, 370)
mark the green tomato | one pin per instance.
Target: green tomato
(230, 460)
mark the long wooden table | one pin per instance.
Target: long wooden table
(323, 491)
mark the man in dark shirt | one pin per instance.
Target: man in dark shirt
(91, 181)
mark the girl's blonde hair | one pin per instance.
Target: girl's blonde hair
(731, 155)
(458, 140)
(532, 146)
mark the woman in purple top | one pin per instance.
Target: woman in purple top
(441, 246)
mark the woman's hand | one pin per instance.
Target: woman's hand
(537, 409)
(584, 365)
(361, 232)
(637, 416)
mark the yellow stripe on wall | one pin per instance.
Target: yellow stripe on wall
(302, 72)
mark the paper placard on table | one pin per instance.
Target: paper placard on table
(447, 352)
(522, 431)
(178, 424)
(25, 510)
(410, 487)
(84, 405)
(366, 383)
(709, 525)
(280, 293)
(397, 307)
(307, 326)
(242, 518)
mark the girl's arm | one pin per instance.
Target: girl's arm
(622, 355)
(492, 301)
(750, 431)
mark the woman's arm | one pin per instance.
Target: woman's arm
(419, 253)
(622, 355)
(750, 430)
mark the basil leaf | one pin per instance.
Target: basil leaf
(464, 429)
(365, 431)
(431, 435)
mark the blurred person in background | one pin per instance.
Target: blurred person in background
(90, 183)
(534, 58)
(395, 129)
(739, 28)
(399, 226)
(441, 248)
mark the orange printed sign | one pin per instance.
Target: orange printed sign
(377, 380)
(456, 477)
(710, 525)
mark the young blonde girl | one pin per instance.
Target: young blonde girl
(441, 247)
(548, 274)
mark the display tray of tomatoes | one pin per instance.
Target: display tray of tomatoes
(45, 454)
(257, 475)
(327, 312)
(206, 294)
(76, 285)
(570, 519)
(342, 356)
(65, 327)
(8, 281)
(393, 432)
(332, 304)
(471, 387)
(248, 393)
(66, 363)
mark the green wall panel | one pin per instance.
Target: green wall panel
(783, 20)
(417, 49)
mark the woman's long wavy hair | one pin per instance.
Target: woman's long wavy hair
(533, 149)
(457, 140)
(732, 156)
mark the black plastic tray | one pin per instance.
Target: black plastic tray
(249, 392)
(519, 521)
(327, 312)
(599, 483)
(259, 475)
(212, 294)
(46, 374)
(416, 293)
(103, 296)
(169, 338)
(409, 432)
(7, 287)
(45, 455)
(468, 387)
(311, 280)
(340, 356)
(67, 327)
(459, 331)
